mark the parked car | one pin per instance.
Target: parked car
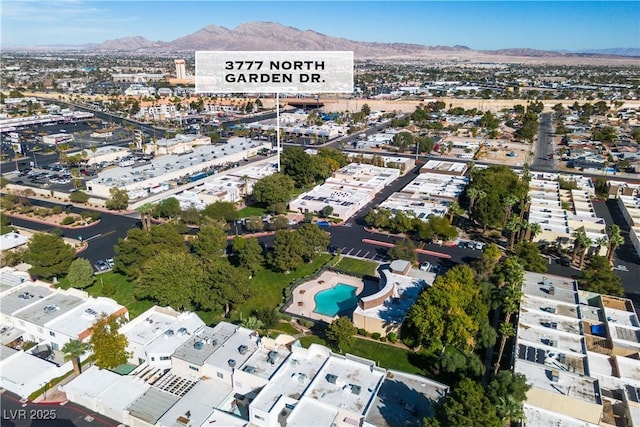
(110, 262)
(101, 265)
(425, 266)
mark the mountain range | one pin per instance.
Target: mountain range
(273, 36)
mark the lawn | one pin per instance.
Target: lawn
(358, 266)
(250, 211)
(385, 355)
(268, 287)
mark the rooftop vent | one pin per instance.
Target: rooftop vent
(232, 363)
(331, 378)
(169, 333)
(182, 332)
(25, 295)
(243, 349)
(51, 308)
(272, 356)
(148, 320)
(355, 389)
(249, 369)
(198, 345)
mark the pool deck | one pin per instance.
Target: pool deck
(303, 296)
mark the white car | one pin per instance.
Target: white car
(425, 266)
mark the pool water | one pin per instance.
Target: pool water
(332, 301)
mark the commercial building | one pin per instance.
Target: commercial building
(579, 352)
(347, 191)
(181, 72)
(561, 212)
(196, 162)
(229, 375)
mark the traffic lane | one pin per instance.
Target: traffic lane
(18, 414)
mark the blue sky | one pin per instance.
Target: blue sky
(554, 25)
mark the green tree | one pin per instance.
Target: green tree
(5, 223)
(169, 278)
(496, 183)
(447, 313)
(222, 211)
(273, 189)
(615, 240)
(405, 250)
(599, 277)
(529, 255)
(467, 405)
(314, 240)
(326, 211)
(73, 350)
(109, 346)
(507, 391)
(140, 245)
(341, 333)
(250, 254)
(80, 273)
(48, 255)
(288, 250)
(119, 199)
(167, 208)
(145, 215)
(210, 241)
(225, 286)
(268, 317)
(302, 168)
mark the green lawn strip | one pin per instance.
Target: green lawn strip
(250, 211)
(268, 287)
(285, 328)
(357, 266)
(384, 355)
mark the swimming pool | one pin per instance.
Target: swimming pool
(332, 301)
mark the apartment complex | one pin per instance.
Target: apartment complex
(561, 212)
(231, 376)
(431, 192)
(347, 191)
(579, 351)
(35, 312)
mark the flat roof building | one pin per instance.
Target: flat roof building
(347, 191)
(579, 351)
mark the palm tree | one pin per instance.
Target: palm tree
(581, 244)
(454, 209)
(525, 203)
(510, 409)
(524, 230)
(472, 194)
(600, 242)
(72, 351)
(507, 205)
(615, 240)
(506, 331)
(534, 229)
(513, 227)
(145, 215)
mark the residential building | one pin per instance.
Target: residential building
(347, 191)
(561, 212)
(34, 311)
(181, 73)
(229, 375)
(579, 352)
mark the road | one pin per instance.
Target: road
(543, 160)
(18, 414)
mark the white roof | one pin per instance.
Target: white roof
(199, 403)
(92, 382)
(12, 240)
(83, 317)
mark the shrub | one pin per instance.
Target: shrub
(362, 331)
(383, 339)
(79, 197)
(392, 337)
(375, 335)
(306, 323)
(85, 214)
(57, 209)
(67, 220)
